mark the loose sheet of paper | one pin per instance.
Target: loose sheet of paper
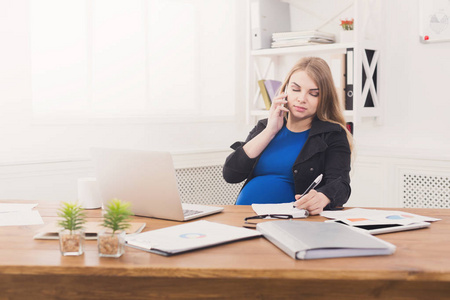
(20, 218)
(9, 207)
(280, 209)
(19, 214)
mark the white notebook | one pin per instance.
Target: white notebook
(186, 237)
(280, 209)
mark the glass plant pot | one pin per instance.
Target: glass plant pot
(347, 36)
(71, 243)
(111, 244)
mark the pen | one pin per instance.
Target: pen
(311, 186)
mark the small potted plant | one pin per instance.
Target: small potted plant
(71, 237)
(116, 219)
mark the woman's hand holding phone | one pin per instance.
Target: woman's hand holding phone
(283, 105)
(276, 112)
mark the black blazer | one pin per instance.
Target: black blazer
(326, 151)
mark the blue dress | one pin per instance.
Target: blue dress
(273, 181)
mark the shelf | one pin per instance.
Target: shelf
(348, 113)
(336, 47)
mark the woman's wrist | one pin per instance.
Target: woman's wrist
(257, 145)
(270, 133)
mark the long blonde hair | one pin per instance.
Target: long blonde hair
(328, 108)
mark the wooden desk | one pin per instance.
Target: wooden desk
(34, 269)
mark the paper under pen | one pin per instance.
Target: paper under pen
(311, 186)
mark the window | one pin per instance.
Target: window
(97, 58)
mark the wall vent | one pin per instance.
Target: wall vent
(205, 185)
(425, 191)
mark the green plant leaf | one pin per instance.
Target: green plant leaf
(117, 216)
(72, 216)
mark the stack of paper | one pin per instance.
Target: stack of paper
(301, 38)
(379, 221)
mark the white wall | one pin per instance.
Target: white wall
(414, 133)
(414, 88)
(42, 160)
(26, 139)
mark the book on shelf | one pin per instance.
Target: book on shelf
(272, 88)
(264, 94)
(314, 240)
(349, 126)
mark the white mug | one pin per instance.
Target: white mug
(89, 193)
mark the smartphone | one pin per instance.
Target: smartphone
(285, 91)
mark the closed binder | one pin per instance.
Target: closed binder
(314, 240)
(349, 79)
(267, 17)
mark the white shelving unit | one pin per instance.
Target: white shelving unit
(272, 56)
(265, 63)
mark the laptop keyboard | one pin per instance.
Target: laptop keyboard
(190, 212)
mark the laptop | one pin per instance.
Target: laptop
(147, 180)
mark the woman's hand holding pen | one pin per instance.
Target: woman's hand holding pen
(313, 201)
(276, 114)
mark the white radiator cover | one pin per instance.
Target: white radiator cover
(205, 185)
(426, 191)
